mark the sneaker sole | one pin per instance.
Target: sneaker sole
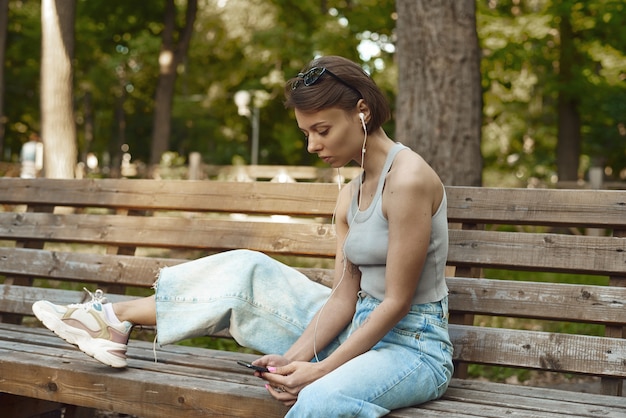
(81, 339)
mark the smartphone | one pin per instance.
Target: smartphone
(253, 367)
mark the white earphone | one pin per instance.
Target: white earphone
(362, 117)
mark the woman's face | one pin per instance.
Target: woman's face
(332, 134)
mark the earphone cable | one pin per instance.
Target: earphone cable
(343, 249)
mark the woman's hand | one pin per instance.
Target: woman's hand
(286, 382)
(271, 360)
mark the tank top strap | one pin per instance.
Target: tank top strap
(388, 162)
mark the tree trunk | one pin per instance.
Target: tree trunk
(439, 103)
(569, 124)
(4, 21)
(58, 129)
(170, 57)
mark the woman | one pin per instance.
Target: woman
(378, 340)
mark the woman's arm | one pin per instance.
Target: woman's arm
(338, 311)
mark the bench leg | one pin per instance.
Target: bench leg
(73, 411)
(15, 406)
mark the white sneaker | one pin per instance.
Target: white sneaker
(86, 326)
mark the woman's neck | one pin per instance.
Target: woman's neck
(376, 149)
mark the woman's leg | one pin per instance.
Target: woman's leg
(411, 365)
(139, 311)
(264, 304)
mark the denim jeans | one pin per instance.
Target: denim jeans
(266, 306)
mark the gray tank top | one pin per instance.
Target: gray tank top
(368, 240)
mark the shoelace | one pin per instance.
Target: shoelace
(96, 298)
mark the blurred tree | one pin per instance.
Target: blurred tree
(569, 124)
(175, 44)
(116, 74)
(439, 97)
(57, 101)
(21, 76)
(4, 20)
(532, 61)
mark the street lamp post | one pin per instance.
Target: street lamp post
(242, 100)
(254, 158)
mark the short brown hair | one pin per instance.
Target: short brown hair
(329, 92)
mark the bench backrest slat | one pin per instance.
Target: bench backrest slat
(550, 301)
(538, 252)
(540, 350)
(308, 199)
(171, 232)
(588, 208)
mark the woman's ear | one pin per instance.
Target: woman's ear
(364, 111)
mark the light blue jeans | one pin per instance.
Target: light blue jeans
(267, 305)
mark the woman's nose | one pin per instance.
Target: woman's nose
(313, 145)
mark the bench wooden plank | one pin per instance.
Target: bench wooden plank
(170, 232)
(551, 301)
(487, 388)
(562, 302)
(538, 252)
(585, 208)
(566, 353)
(477, 398)
(83, 267)
(307, 173)
(203, 196)
(160, 395)
(497, 400)
(547, 252)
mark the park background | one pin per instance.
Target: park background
(517, 93)
(521, 93)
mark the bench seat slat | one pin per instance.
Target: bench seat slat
(144, 379)
(538, 252)
(499, 407)
(483, 389)
(493, 400)
(588, 208)
(139, 392)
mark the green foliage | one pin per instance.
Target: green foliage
(21, 66)
(225, 344)
(256, 45)
(521, 47)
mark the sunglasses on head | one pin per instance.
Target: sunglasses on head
(313, 75)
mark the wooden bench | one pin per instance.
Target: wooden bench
(58, 236)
